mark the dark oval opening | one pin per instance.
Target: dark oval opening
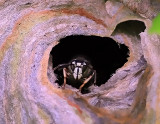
(130, 27)
(104, 54)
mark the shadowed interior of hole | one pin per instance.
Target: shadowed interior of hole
(104, 54)
(130, 27)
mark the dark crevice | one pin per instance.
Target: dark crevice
(131, 27)
(104, 54)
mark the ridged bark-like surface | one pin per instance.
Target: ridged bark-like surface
(29, 29)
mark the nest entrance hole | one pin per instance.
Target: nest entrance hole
(130, 27)
(104, 54)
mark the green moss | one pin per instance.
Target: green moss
(155, 28)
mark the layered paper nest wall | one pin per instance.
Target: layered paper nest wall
(29, 29)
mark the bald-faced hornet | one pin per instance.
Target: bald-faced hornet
(78, 72)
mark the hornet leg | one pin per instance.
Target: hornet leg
(65, 77)
(86, 81)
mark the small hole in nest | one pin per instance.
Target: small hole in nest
(104, 54)
(131, 27)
